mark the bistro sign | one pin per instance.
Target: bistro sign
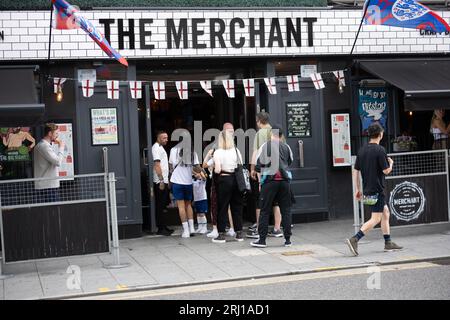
(407, 201)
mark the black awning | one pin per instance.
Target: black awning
(425, 82)
(19, 97)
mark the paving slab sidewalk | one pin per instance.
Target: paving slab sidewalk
(157, 261)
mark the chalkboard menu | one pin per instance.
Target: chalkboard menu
(298, 115)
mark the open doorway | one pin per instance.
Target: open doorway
(173, 113)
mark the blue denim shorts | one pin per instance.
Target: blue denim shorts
(201, 206)
(182, 191)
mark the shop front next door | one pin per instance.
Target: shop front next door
(301, 114)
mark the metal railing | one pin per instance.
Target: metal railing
(409, 165)
(86, 188)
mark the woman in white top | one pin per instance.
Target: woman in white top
(226, 159)
(439, 130)
(182, 160)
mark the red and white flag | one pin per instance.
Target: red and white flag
(249, 87)
(182, 87)
(136, 89)
(88, 88)
(229, 87)
(159, 88)
(317, 80)
(206, 85)
(57, 82)
(293, 84)
(340, 77)
(271, 85)
(113, 89)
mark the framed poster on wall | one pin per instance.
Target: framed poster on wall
(104, 126)
(298, 116)
(66, 134)
(340, 136)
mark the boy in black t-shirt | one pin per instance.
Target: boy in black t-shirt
(373, 164)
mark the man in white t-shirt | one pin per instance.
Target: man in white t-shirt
(161, 181)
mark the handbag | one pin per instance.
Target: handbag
(242, 176)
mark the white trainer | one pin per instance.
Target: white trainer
(213, 234)
(231, 232)
(186, 234)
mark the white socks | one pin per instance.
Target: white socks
(191, 226)
(202, 224)
(186, 233)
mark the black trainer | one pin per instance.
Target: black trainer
(258, 244)
(288, 243)
(239, 237)
(220, 238)
(353, 245)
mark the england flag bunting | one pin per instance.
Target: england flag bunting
(182, 87)
(293, 84)
(113, 89)
(340, 77)
(136, 89)
(88, 88)
(271, 85)
(317, 80)
(249, 87)
(206, 85)
(159, 88)
(229, 87)
(57, 82)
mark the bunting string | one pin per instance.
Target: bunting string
(229, 85)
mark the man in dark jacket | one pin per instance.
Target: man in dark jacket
(272, 162)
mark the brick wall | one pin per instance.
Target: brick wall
(26, 35)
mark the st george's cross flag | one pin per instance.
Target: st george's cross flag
(182, 88)
(293, 83)
(113, 89)
(136, 89)
(57, 83)
(206, 85)
(87, 87)
(159, 88)
(249, 87)
(271, 85)
(317, 80)
(404, 14)
(229, 87)
(340, 77)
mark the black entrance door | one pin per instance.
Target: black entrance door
(301, 115)
(123, 157)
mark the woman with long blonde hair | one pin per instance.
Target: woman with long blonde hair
(226, 160)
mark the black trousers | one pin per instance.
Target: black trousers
(228, 194)
(161, 201)
(280, 192)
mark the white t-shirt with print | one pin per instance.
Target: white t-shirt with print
(182, 173)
